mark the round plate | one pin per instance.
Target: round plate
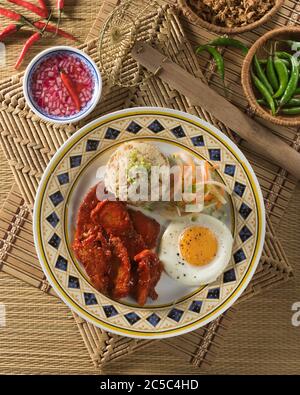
(73, 170)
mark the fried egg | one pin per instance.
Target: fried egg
(196, 251)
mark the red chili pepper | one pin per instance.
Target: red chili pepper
(71, 88)
(10, 14)
(32, 39)
(43, 5)
(31, 7)
(52, 29)
(10, 29)
(60, 6)
(16, 17)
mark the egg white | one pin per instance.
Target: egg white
(182, 271)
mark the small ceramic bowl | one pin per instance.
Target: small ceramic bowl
(30, 80)
(283, 33)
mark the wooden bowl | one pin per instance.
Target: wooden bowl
(250, 91)
(195, 18)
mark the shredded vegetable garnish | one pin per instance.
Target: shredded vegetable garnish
(214, 190)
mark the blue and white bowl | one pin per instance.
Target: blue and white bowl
(27, 83)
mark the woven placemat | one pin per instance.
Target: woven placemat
(104, 347)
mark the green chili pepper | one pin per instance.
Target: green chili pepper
(229, 42)
(283, 76)
(283, 55)
(293, 82)
(263, 62)
(218, 58)
(271, 74)
(290, 111)
(264, 92)
(294, 102)
(287, 63)
(262, 76)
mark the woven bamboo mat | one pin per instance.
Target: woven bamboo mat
(119, 346)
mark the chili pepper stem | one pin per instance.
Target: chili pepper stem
(58, 22)
(51, 29)
(267, 51)
(46, 24)
(25, 21)
(60, 7)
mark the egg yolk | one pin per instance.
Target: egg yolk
(198, 245)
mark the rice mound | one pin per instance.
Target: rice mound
(131, 155)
